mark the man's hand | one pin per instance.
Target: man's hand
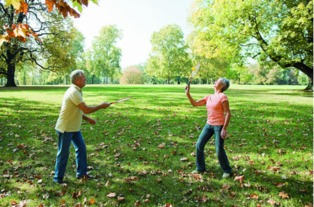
(105, 105)
(92, 121)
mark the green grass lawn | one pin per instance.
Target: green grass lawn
(142, 151)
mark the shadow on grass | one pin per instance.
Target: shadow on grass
(143, 150)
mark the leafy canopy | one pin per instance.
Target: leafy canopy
(22, 31)
(280, 31)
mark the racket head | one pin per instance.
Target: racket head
(121, 100)
(195, 70)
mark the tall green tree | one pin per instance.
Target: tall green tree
(49, 50)
(63, 49)
(276, 30)
(169, 57)
(104, 57)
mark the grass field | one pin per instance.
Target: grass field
(142, 151)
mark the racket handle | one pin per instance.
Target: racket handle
(190, 80)
(186, 87)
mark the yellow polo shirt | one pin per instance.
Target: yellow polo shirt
(70, 117)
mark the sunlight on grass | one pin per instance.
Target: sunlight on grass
(143, 149)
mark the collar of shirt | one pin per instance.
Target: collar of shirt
(76, 87)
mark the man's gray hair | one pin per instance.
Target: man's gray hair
(75, 74)
(226, 83)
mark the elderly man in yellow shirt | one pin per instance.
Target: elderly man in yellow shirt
(68, 127)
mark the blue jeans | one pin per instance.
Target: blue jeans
(64, 143)
(207, 132)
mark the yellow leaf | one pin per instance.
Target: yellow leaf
(2, 39)
(19, 32)
(92, 201)
(15, 3)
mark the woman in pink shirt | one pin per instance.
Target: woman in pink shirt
(218, 117)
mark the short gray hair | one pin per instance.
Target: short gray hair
(75, 74)
(226, 83)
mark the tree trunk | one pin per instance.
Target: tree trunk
(10, 76)
(178, 79)
(93, 77)
(309, 86)
(307, 71)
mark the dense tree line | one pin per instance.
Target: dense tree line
(249, 42)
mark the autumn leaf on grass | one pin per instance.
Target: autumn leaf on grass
(197, 176)
(63, 201)
(280, 185)
(273, 168)
(117, 155)
(283, 195)
(240, 179)
(131, 179)
(76, 194)
(13, 203)
(137, 203)
(161, 146)
(120, 198)
(253, 196)
(92, 201)
(111, 195)
(183, 159)
(272, 202)
(226, 187)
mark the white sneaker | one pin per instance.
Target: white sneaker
(226, 175)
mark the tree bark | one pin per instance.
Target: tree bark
(307, 71)
(10, 76)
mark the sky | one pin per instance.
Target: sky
(137, 20)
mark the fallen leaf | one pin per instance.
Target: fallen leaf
(283, 195)
(183, 159)
(280, 185)
(120, 198)
(272, 202)
(273, 168)
(197, 176)
(161, 146)
(226, 186)
(131, 178)
(239, 178)
(254, 196)
(92, 201)
(76, 194)
(137, 203)
(111, 195)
